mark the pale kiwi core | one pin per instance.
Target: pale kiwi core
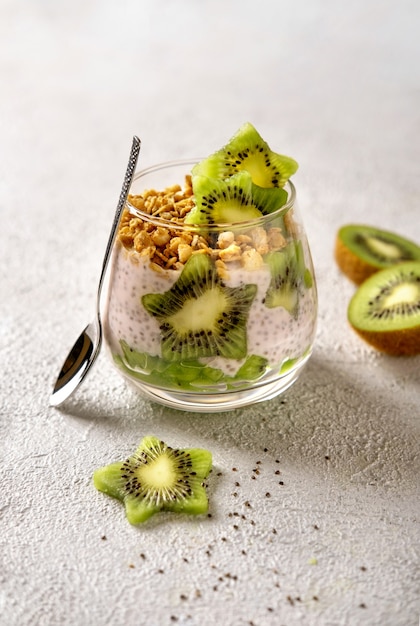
(199, 313)
(158, 473)
(383, 248)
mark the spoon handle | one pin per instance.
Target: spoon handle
(131, 167)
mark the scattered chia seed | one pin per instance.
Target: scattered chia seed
(103, 537)
(268, 494)
(281, 482)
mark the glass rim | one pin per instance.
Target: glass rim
(160, 221)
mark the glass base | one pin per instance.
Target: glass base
(218, 402)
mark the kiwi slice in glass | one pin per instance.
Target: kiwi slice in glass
(157, 478)
(287, 275)
(248, 151)
(200, 316)
(233, 200)
(362, 250)
(385, 310)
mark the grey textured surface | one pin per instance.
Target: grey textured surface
(336, 85)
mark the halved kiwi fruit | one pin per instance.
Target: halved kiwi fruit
(199, 316)
(234, 200)
(385, 310)
(362, 250)
(248, 151)
(157, 478)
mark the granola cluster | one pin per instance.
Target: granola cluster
(169, 245)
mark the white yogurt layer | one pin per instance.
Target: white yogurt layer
(272, 333)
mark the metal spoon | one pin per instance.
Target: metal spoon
(87, 347)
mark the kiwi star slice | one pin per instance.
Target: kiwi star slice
(200, 316)
(286, 279)
(385, 310)
(236, 199)
(248, 151)
(157, 478)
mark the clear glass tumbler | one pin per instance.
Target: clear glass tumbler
(212, 317)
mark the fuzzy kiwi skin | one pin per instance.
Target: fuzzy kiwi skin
(357, 268)
(400, 341)
(395, 343)
(351, 265)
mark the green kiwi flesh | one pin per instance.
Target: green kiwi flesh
(362, 250)
(231, 201)
(385, 310)
(248, 151)
(157, 478)
(187, 375)
(201, 317)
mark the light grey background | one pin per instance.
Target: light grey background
(334, 84)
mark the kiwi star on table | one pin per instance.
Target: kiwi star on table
(157, 478)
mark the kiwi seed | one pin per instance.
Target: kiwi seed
(157, 478)
(385, 310)
(362, 250)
